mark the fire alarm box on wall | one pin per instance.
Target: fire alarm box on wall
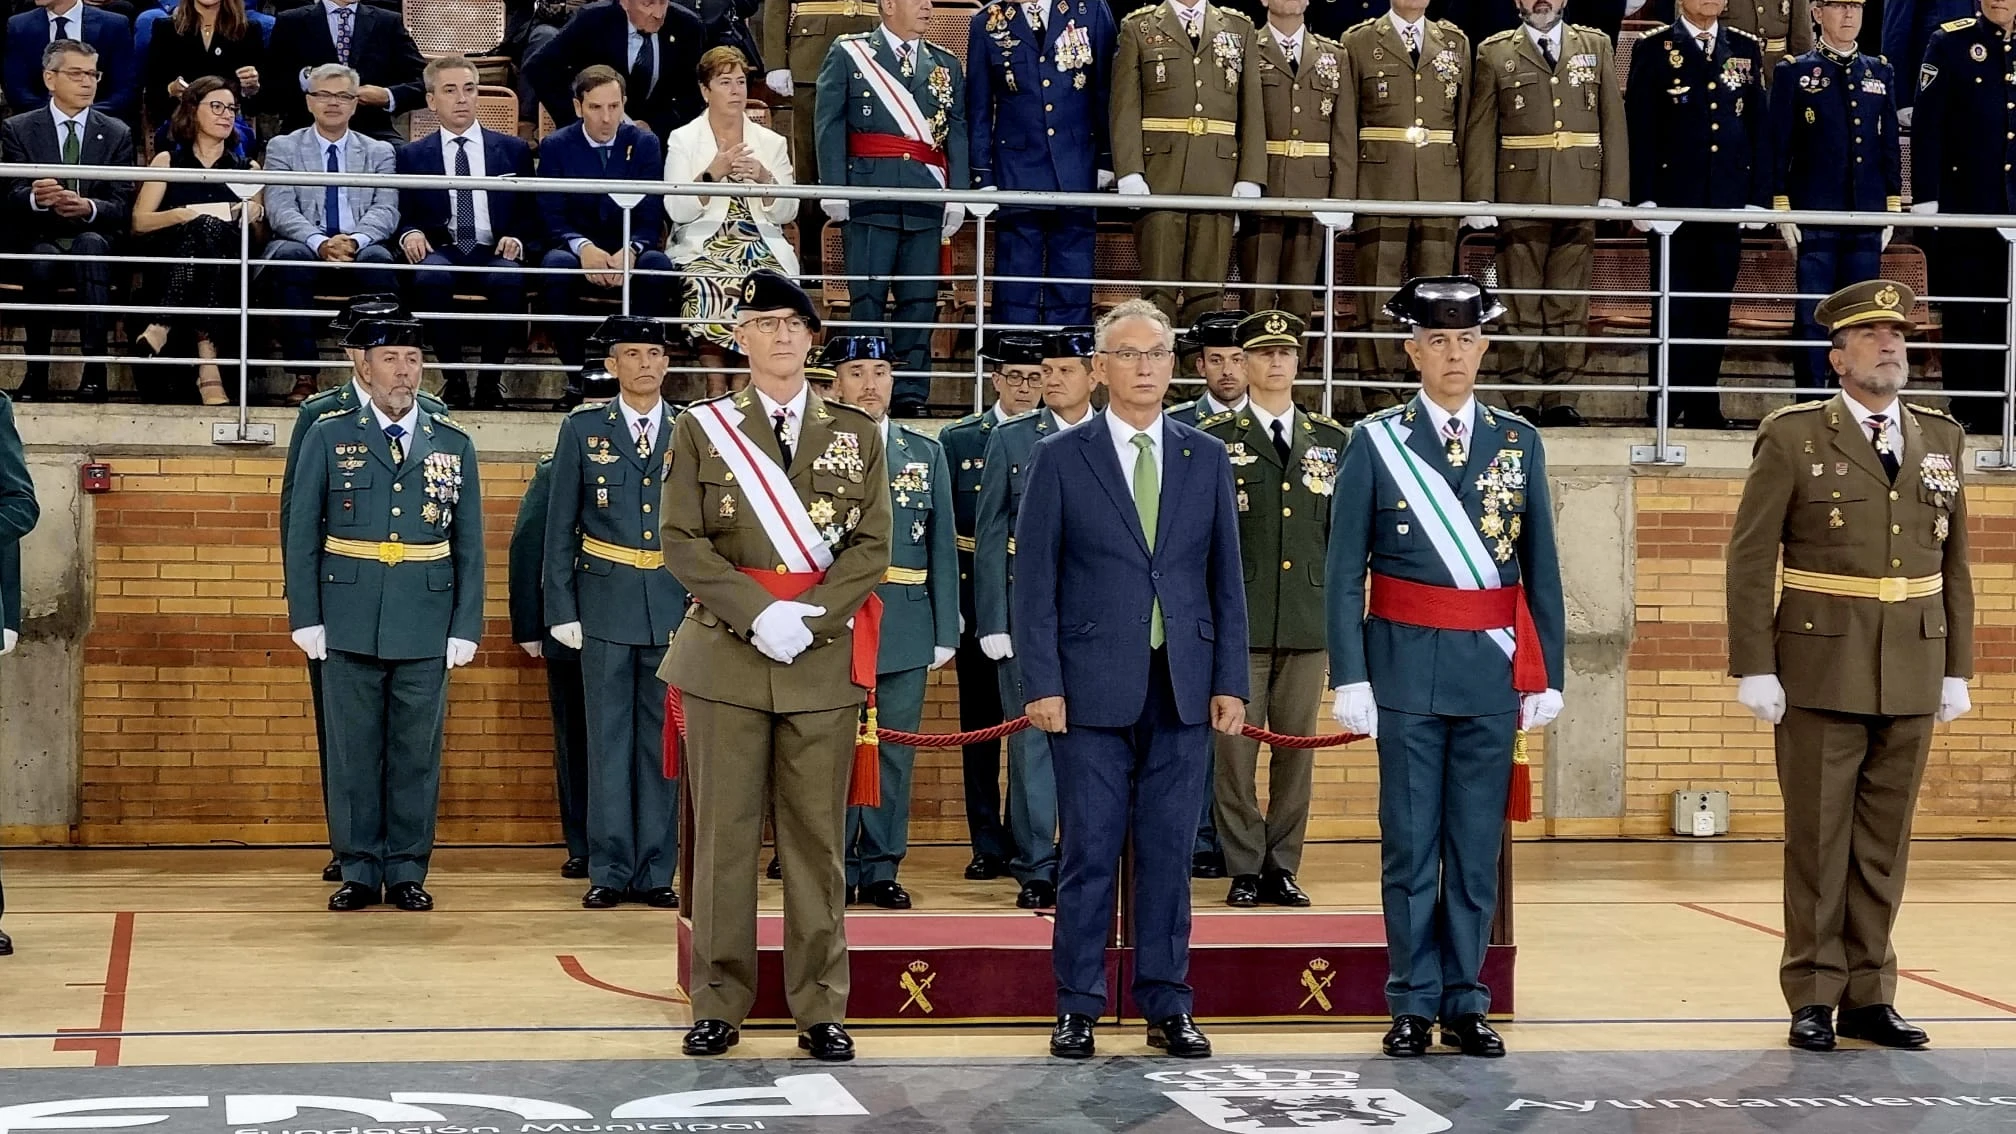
(97, 478)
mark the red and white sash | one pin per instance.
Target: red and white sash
(767, 490)
(895, 96)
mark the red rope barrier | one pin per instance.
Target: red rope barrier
(1010, 728)
(1283, 740)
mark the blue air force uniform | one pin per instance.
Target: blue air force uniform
(1036, 98)
(1834, 135)
(526, 584)
(965, 445)
(604, 569)
(1963, 145)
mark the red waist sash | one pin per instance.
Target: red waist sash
(894, 146)
(1452, 608)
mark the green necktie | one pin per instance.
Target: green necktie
(1147, 504)
(73, 149)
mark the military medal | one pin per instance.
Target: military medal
(1161, 72)
(853, 518)
(1841, 468)
(727, 509)
(1936, 470)
(430, 512)
(1245, 505)
(601, 498)
(1818, 469)
(1834, 519)
(917, 531)
(1078, 81)
(821, 512)
(1978, 53)
(1236, 452)
(1518, 102)
(1942, 526)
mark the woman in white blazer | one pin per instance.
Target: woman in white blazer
(719, 240)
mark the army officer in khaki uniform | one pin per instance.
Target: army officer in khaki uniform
(1187, 118)
(1406, 87)
(1870, 645)
(1300, 73)
(1785, 26)
(1546, 127)
(766, 665)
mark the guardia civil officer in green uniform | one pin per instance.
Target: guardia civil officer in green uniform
(1213, 344)
(1446, 501)
(920, 612)
(1018, 386)
(563, 666)
(1284, 463)
(19, 512)
(1869, 645)
(1068, 383)
(348, 396)
(776, 518)
(609, 596)
(385, 588)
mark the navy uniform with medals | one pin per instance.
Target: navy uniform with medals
(1039, 74)
(19, 513)
(920, 618)
(1834, 137)
(1963, 143)
(1283, 491)
(529, 629)
(390, 567)
(1444, 704)
(607, 589)
(1706, 110)
(344, 398)
(965, 445)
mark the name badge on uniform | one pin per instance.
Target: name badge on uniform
(601, 498)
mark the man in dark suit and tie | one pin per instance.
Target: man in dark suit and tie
(585, 230)
(369, 39)
(655, 44)
(1130, 630)
(32, 31)
(467, 228)
(62, 222)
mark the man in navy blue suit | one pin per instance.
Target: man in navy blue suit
(50, 20)
(368, 39)
(467, 229)
(585, 230)
(655, 44)
(1130, 629)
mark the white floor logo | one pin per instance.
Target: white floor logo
(1279, 1098)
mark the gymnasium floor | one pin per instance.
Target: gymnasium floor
(200, 982)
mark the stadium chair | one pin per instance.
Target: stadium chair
(463, 27)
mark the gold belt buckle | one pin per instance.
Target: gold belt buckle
(850, 8)
(1197, 127)
(391, 554)
(1295, 148)
(1891, 589)
(1417, 135)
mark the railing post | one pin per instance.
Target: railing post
(1662, 453)
(245, 433)
(980, 214)
(2009, 354)
(1332, 223)
(626, 202)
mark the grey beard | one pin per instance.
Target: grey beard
(1534, 20)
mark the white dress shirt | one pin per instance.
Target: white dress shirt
(73, 26)
(1712, 32)
(1267, 420)
(1063, 425)
(484, 234)
(1123, 445)
(410, 423)
(794, 414)
(1209, 406)
(1418, 28)
(1189, 15)
(995, 409)
(899, 46)
(653, 420)
(1438, 418)
(1892, 427)
(1551, 37)
(82, 119)
(1290, 45)
(346, 217)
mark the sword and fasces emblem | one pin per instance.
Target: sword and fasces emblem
(917, 980)
(1319, 987)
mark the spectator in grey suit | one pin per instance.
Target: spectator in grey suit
(314, 225)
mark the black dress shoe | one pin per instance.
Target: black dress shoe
(91, 392)
(409, 896)
(353, 896)
(1072, 1037)
(601, 898)
(1554, 416)
(6, 944)
(660, 898)
(1245, 892)
(38, 391)
(907, 407)
(1408, 1037)
(489, 396)
(575, 867)
(710, 1037)
(828, 1043)
(1474, 1036)
(1207, 865)
(1037, 894)
(775, 871)
(1881, 1025)
(1180, 1037)
(332, 872)
(1278, 887)
(1812, 1028)
(888, 895)
(984, 868)
(1530, 413)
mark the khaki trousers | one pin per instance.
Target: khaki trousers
(1195, 248)
(1286, 687)
(1281, 250)
(1559, 257)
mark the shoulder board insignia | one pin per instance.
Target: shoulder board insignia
(1500, 37)
(1958, 25)
(1781, 411)
(1322, 419)
(1216, 419)
(1510, 416)
(1381, 415)
(1360, 24)
(338, 412)
(1928, 411)
(1028, 415)
(1883, 59)
(1791, 58)
(429, 402)
(1230, 12)
(1662, 29)
(444, 419)
(1751, 36)
(546, 458)
(586, 407)
(855, 410)
(850, 35)
(1590, 30)
(967, 420)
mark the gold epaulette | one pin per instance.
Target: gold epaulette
(1214, 419)
(1499, 37)
(1928, 411)
(1781, 411)
(331, 413)
(1381, 415)
(1248, 20)
(1753, 37)
(1322, 419)
(1959, 25)
(585, 407)
(444, 419)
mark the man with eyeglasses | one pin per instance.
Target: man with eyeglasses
(371, 40)
(64, 224)
(31, 32)
(1130, 632)
(1068, 382)
(1018, 387)
(775, 515)
(327, 224)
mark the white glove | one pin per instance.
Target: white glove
(940, 655)
(461, 651)
(1904, 117)
(955, 215)
(1754, 209)
(1245, 189)
(1926, 207)
(8, 640)
(779, 81)
(1480, 221)
(314, 641)
(1354, 708)
(1644, 225)
(997, 647)
(1953, 699)
(1105, 179)
(1609, 203)
(533, 649)
(962, 626)
(1538, 710)
(1791, 234)
(567, 634)
(1133, 185)
(836, 210)
(1889, 230)
(780, 633)
(1763, 696)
